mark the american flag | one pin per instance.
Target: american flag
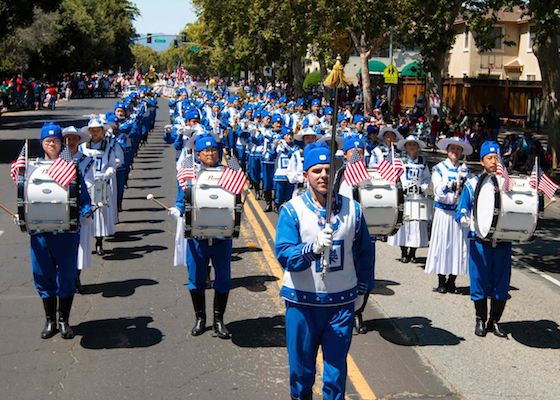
(233, 178)
(17, 164)
(542, 182)
(356, 171)
(388, 171)
(63, 170)
(502, 171)
(186, 170)
(398, 165)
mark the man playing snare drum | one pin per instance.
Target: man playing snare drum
(489, 262)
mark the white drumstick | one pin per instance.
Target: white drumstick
(150, 196)
(3, 207)
(549, 203)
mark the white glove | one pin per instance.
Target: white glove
(464, 221)
(109, 172)
(323, 240)
(300, 178)
(174, 212)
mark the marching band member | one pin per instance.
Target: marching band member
(283, 189)
(294, 171)
(388, 137)
(256, 148)
(201, 251)
(99, 148)
(73, 139)
(447, 254)
(269, 157)
(415, 180)
(489, 263)
(54, 255)
(320, 309)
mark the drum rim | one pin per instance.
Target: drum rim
(497, 205)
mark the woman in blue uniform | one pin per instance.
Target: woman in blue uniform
(54, 255)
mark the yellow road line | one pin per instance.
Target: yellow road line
(354, 374)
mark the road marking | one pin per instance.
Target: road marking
(1, 233)
(354, 374)
(536, 271)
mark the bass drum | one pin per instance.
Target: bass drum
(43, 204)
(382, 204)
(507, 216)
(210, 210)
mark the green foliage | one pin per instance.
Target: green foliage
(312, 79)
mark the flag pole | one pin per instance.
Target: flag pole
(334, 80)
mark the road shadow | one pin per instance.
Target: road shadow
(148, 168)
(117, 288)
(259, 332)
(542, 334)
(382, 287)
(253, 283)
(241, 250)
(133, 236)
(143, 221)
(142, 197)
(466, 290)
(412, 331)
(542, 253)
(144, 187)
(118, 333)
(131, 253)
(142, 209)
(144, 179)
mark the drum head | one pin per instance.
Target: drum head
(485, 203)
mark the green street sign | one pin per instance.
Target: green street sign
(160, 40)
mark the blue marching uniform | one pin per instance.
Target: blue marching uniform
(320, 312)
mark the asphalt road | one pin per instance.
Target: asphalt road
(133, 322)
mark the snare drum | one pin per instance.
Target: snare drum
(418, 207)
(382, 204)
(43, 204)
(510, 216)
(210, 210)
(100, 191)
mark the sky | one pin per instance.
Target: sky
(163, 16)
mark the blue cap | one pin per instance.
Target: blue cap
(315, 153)
(300, 102)
(352, 142)
(191, 114)
(205, 141)
(316, 102)
(120, 104)
(111, 118)
(342, 117)
(489, 147)
(328, 111)
(51, 130)
(358, 118)
(283, 99)
(372, 129)
(276, 118)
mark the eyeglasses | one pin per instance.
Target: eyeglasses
(51, 141)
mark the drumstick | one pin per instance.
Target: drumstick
(553, 200)
(151, 197)
(3, 207)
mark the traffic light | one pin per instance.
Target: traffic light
(183, 37)
(149, 38)
(175, 43)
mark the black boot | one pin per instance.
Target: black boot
(220, 303)
(303, 397)
(450, 285)
(199, 305)
(481, 310)
(79, 288)
(404, 255)
(412, 255)
(99, 246)
(64, 307)
(358, 317)
(441, 284)
(268, 199)
(50, 329)
(496, 311)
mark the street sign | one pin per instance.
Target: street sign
(391, 74)
(160, 40)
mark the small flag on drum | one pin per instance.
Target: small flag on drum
(387, 171)
(17, 164)
(233, 178)
(63, 170)
(542, 182)
(356, 171)
(186, 171)
(399, 166)
(502, 171)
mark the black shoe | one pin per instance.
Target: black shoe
(199, 305)
(450, 284)
(99, 246)
(412, 255)
(493, 326)
(79, 287)
(480, 328)
(268, 207)
(64, 307)
(220, 303)
(359, 323)
(441, 284)
(50, 329)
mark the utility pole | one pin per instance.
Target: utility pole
(389, 89)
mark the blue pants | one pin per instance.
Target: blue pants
(489, 270)
(54, 263)
(307, 328)
(199, 253)
(283, 191)
(121, 181)
(230, 139)
(255, 168)
(240, 149)
(267, 173)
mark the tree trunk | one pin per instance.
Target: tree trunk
(366, 84)
(549, 63)
(298, 75)
(323, 71)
